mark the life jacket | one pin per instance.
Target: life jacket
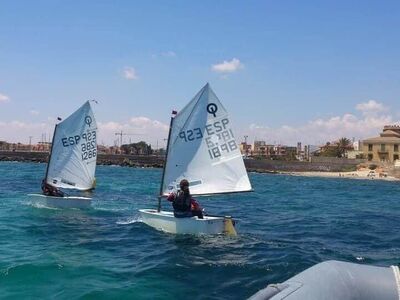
(182, 202)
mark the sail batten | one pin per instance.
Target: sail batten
(203, 149)
(72, 162)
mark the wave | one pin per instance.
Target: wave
(130, 220)
(110, 209)
(39, 205)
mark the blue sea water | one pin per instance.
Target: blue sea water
(285, 226)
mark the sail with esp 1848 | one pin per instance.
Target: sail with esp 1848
(201, 149)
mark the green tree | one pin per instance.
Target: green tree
(139, 148)
(343, 144)
(329, 150)
(337, 149)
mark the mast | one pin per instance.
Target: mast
(203, 149)
(51, 150)
(166, 158)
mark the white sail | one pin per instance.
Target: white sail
(203, 150)
(72, 162)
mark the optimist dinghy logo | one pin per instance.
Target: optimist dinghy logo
(212, 108)
(88, 120)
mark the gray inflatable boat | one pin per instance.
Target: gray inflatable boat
(337, 280)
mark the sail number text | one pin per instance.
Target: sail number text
(217, 135)
(87, 142)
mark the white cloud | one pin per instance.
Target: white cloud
(228, 66)
(34, 112)
(136, 129)
(317, 131)
(130, 73)
(144, 123)
(371, 107)
(19, 131)
(16, 124)
(4, 98)
(52, 120)
(320, 130)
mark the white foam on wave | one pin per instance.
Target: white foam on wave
(130, 220)
(110, 209)
(39, 205)
(359, 258)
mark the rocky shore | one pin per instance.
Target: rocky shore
(140, 161)
(149, 161)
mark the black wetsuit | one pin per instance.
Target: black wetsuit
(182, 205)
(50, 190)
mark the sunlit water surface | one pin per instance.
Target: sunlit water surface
(286, 225)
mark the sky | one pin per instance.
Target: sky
(287, 71)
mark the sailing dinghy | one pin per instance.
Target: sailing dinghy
(72, 159)
(202, 149)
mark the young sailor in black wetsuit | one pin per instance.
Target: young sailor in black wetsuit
(50, 190)
(183, 203)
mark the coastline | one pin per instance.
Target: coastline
(293, 168)
(360, 174)
(139, 161)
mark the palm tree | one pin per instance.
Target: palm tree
(343, 144)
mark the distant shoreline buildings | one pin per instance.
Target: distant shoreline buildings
(140, 148)
(384, 148)
(261, 149)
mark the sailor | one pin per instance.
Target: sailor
(183, 203)
(50, 190)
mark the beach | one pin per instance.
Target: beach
(365, 174)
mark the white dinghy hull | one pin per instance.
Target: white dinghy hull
(331, 280)
(65, 202)
(165, 221)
